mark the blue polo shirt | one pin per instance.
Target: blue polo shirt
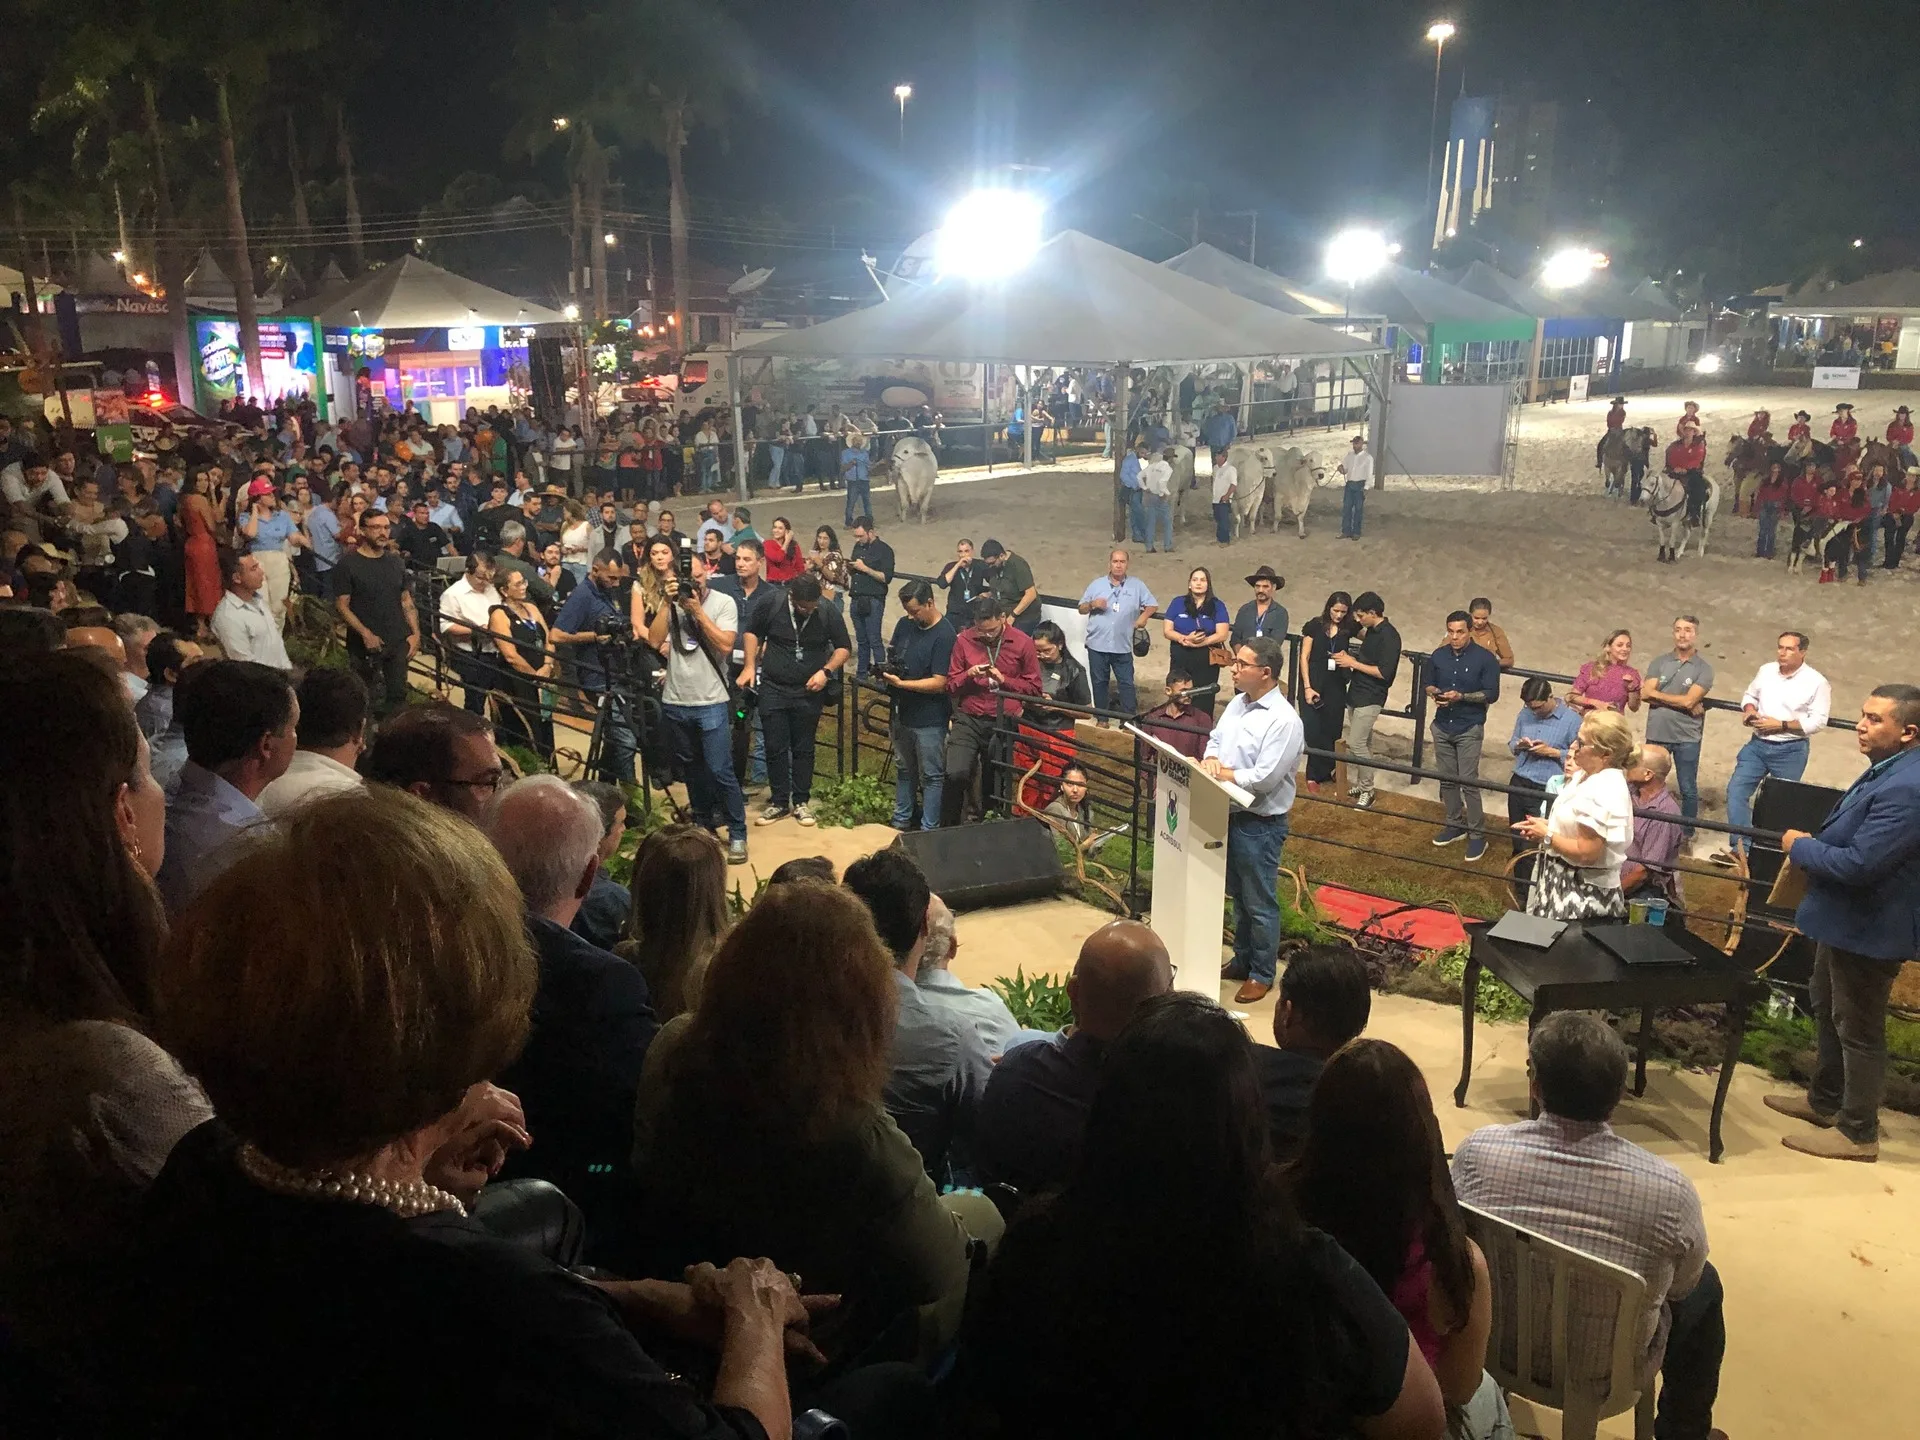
(1468, 670)
(1557, 729)
(1219, 429)
(587, 602)
(1110, 631)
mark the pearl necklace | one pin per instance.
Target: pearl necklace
(407, 1199)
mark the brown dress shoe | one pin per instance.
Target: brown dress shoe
(1832, 1145)
(1251, 993)
(1799, 1107)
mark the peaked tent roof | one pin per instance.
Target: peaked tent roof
(412, 294)
(1213, 266)
(101, 276)
(1079, 301)
(1408, 298)
(1648, 292)
(207, 283)
(1890, 290)
(1579, 303)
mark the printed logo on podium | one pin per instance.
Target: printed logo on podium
(1170, 829)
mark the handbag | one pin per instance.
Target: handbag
(1559, 892)
(1219, 655)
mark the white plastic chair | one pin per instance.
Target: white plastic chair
(1535, 1279)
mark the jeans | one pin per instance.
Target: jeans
(1784, 759)
(859, 498)
(384, 670)
(1360, 745)
(1458, 754)
(1105, 664)
(1222, 521)
(1159, 519)
(1637, 471)
(919, 763)
(969, 739)
(1136, 514)
(1895, 528)
(1870, 555)
(1690, 1373)
(791, 726)
(1686, 775)
(1766, 537)
(1850, 1018)
(1254, 843)
(1353, 505)
(703, 750)
(617, 738)
(870, 646)
(707, 463)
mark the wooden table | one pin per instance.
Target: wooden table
(1574, 973)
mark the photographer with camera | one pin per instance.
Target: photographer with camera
(796, 649)
(696, 628)
(590, 625)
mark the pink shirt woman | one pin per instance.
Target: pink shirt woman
(1608, 682)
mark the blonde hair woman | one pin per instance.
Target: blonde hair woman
(1583, 841)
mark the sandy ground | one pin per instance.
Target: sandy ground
(1818, 1259)
(1562, 564)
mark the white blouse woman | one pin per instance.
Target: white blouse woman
(1584, 837)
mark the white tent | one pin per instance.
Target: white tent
(1213, 266)
(1078, 301)
(411, 294)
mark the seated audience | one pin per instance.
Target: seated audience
(136, 633)
(1649, 872)
(441, 753)
(982, 1009)
(602, 918)
(1324, 1003)
(1373, 1175)
(1035, 1108)
(29, 630)
(678, 914)
(940, 1064)
(308, 1255)
(592, 1022)
(238, 720)
(331, 734)
(94, 1106)
(760, 1124)
(168, 657)
(806, 867)
(1169, 1289)
(1569, 1176)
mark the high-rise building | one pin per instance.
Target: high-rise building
(1541, 166)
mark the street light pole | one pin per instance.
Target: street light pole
(1439, 32)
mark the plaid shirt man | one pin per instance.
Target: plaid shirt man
(1578, 1182)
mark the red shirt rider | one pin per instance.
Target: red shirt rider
(1617, 415)
(1844, 426)
(1800, 429)
(1691, 416)
(1761, 423)
(1689, 452)
(1900, 429)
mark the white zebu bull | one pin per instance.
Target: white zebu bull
(915, 472)
(1181, 482)
(1285, 484)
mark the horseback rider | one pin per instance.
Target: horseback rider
(1760, 425)
(1689, 419)
(1844, 426)
(1616, 420)
(1900, 436)
(1687, 462)
(1802, 427)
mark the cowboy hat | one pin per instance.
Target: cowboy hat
(1843, 405)
(1801, 415)
(1265, 572)
(1902, 410)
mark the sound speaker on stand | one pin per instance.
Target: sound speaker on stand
(996, 862)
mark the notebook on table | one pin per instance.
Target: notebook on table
(1638, 944)
(1524, 929)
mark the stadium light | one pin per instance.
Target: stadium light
(989, 234)
(1572, 266)
(572, 312)
(1356, 255)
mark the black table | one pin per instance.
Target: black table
(1574, 973)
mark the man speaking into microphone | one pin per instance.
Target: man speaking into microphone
(1256, 745)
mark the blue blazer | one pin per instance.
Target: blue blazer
(1863, 868)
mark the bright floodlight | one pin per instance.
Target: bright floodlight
(1567, 268)
(1440, 32)
(572, 312)
(903, 93)
(1858, 243)
(988, 234)
(1356, 255)
(1708, 364)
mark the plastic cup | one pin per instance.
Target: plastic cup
(1636, 912)
(1656, 912)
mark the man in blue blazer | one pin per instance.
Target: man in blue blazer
(1862, 910)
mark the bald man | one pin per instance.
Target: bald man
(1649, 871)
(1031, 1119)
(98, 637)
(985, 1011)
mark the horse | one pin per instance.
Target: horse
(1749, 460)
(1667, 509)
(1807, 448)
(1616, 459)
(1879, 452)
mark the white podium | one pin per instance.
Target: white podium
(1190, 810)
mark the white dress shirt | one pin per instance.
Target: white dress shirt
(1225, 477)
(462, 604)
(246, 631)
(1157, 478)
(1359, 468)
(1261, 742)
(1804, 695)
(310, 774)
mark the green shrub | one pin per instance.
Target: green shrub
(1494, 1000)
(1038, 1002)
(849, 800)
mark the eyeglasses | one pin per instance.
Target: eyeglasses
(489, 782)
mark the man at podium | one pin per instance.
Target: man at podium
(1256, 745)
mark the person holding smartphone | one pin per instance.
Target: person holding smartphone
(1543, 732)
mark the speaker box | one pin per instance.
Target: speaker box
(996, 862)
(1792, 805)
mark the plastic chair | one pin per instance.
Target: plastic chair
(1535, 1281)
